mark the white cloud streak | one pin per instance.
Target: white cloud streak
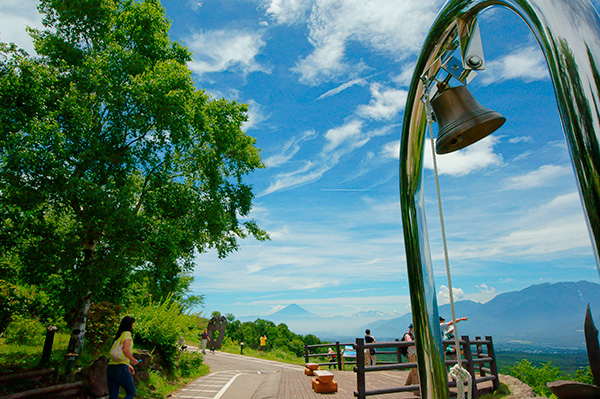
(288, 11)
(290, 149)
(476, 157)
(527, 64)
(372, 23)
(342, 87)
(15, 16)
(385, 103)
(221, 50)
(537, 178)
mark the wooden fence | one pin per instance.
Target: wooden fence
(480, 364)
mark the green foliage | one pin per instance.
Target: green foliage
(567, 360)
(29, 301)
(158, 327)
(536, 377)
(585, 376)
(24, 331)
(115, 168)
(188, 363)
(279, 337)
(103, 320)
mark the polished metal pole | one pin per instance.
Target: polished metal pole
(568, 32)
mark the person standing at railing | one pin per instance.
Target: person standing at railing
(332, 358)
(413, 376)
(370, 359)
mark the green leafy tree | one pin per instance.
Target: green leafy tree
(113, 166)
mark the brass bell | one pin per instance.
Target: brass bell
(462, 121)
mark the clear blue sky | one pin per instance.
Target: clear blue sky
(327, 82)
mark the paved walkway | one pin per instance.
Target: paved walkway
(241, 377)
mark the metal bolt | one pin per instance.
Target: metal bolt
(474, 61)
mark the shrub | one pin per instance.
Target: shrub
(585, 376)
(189, 363)
(102, 324)
(536, 377)
(24, 331)
(158, 326)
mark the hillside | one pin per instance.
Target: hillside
(544, 316)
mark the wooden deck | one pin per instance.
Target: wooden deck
(297, 385)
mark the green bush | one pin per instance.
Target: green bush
(24, 331)
(102, 324)
(536, 377)
(158, 327)
(189, 363)
(584, 376)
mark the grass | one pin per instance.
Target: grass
(499, 393)
(274, 354)
(19, 357)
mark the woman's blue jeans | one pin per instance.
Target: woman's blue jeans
(118, 375)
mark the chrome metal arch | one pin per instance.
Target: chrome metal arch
(568, 32)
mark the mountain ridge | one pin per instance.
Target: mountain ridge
(540, 316)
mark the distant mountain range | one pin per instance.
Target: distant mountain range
(543, 316)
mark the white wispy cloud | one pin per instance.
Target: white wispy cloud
(372, 23)
(485, 289)
(536, 178)
(349, 134)
(221, 50)
(342, 87)
(391, 149)
(385, 103)
(308, 173)
(476, 157)
(256, 115)
(15, 16)
(526, 64)
(555, 226)
(288, 11)
(289, 149)
(406, 75)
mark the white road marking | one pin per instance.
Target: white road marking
(222, 391)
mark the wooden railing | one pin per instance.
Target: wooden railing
(339, 352)
(474, 364)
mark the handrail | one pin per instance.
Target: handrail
(470, 360)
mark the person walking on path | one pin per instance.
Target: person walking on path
(204, 339)
(413, 376)
(370, 359)
(120, 366)
(263, 344)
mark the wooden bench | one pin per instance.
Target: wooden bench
(309, 368)
(324, 383)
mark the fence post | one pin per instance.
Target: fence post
(398, 352)
(470, 368)
(493, 365)
(339, 355)
(479, 355)
(305, 353)
(360, 368)
(47, 351)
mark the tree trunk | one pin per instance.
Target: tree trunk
(80, 320)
